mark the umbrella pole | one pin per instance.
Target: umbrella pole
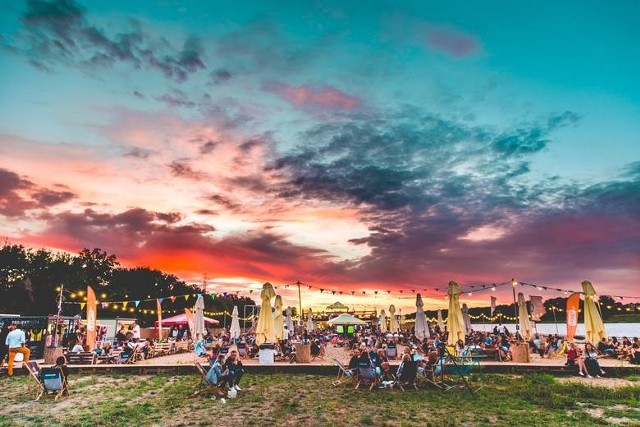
(555, 320)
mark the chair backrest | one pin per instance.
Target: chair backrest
(392, 351)
(342, 368)
(367, 372)
(242, 349)
(52, 378)
(409, 370)
(224, 351)
(34, 368)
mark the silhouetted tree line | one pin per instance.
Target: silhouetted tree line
(29, 280)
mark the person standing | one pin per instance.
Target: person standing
(136, 330)
(15, 342)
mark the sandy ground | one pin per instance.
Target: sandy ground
(343, 356)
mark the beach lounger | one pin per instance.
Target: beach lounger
(407, 374)
(367, 376)
(205, 384)
(53, 383)
(344, 374)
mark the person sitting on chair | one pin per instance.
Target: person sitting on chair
(200, 349)
(61, 363)
(315, 348)
(77, 348)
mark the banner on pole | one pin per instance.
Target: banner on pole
(92, 312)
(573, 303)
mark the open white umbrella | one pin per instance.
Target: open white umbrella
(382, 321)
(523, 318)
(235, 323)
(440, 321)
(310, 326)
(346, 319)
(593, 325)
(465, 316)
(278, 320)
(455, 322)
(288, 321)
(265, 331)
(198, 317)
(422, 329)
(393, 320)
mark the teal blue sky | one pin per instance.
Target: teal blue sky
(352, 143)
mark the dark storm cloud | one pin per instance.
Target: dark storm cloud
(137, 153)
(142, 234)
(223, 201)
(61, 33)
(220, 76)
(52, 197)
(182, 169)
(18, 195)
(176, 98)
(424, 183)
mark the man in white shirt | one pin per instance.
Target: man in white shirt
(136, 330)
(15, 342)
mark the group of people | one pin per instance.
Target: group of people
(225, 373)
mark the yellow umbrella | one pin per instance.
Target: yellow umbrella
(393, 320)
(383, 322)
(523, 318)
(278, 319)
(265, 331)
(455, 322)
(593, 325)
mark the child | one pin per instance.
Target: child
(61, 363)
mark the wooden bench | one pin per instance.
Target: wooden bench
(182, 346)
(161, 349)
(83, 358)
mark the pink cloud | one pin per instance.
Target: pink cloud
(451, 42)
(310, 97)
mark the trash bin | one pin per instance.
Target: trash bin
(267, 354)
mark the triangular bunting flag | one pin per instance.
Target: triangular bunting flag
(137, 303)
(124, 304)
(173, 298)
(186, 297)
(213, 295)
(160, 300)
(82, 304)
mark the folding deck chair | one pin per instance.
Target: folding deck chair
(407, 373)
(344, 374)
(34, 372)
(53, 383)
(367, 376)
(242, 350)
(392, 350)
(204, 382)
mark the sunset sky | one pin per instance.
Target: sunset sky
(355, 146)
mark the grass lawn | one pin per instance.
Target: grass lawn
(302, 400)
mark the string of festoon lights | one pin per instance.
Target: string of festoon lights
(137, 305)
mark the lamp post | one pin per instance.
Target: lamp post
(299, 303)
